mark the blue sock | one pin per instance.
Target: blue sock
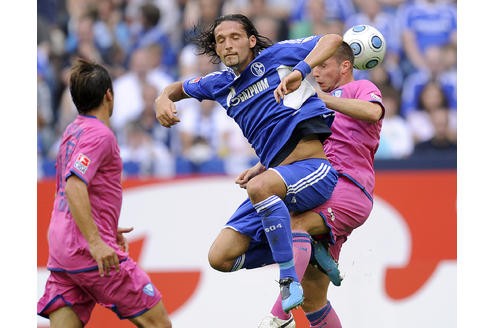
(255, 257)
(324, 317)
(276, 223)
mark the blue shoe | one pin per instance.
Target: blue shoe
(292, 294)
(327, 263)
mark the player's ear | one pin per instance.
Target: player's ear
(252, 41)
(109, 95)
(346, 65)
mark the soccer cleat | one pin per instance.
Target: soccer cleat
(327, 263)
(274, 322)
(292, 294)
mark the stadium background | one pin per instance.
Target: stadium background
(391, 272)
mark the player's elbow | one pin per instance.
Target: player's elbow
(331, 40)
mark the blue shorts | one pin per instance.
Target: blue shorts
(309, 182)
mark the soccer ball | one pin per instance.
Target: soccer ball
(367, 44)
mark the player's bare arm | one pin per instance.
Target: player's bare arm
(165, 110)
(324, 49)
(80, 208)
(355, 108)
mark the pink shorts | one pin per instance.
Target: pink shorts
(129, 292)
(347, 209)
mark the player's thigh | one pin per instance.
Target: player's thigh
(157, 317)
(64, 317)
(315, 285)
(228, 245)
(309, 221)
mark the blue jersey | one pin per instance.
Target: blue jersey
(249, 100)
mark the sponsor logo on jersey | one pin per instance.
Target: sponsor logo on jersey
(258, 69)
(234, 99)
(332, 215)
(82, 163)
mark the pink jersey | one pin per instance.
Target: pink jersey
(352, 146)
(90, 151)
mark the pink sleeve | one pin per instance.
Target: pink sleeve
(88, 156)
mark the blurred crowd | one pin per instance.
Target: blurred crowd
(145, 45)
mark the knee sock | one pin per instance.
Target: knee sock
(302, 254)
(324, 317)
(276, 223)
(255, 257)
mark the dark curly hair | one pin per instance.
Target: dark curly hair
(205, 40)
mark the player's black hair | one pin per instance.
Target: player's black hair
(205, 40)
(88, 84)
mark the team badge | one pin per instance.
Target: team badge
(149, 290)
(337, 93)
(196, 80)
(258, 69)
(82, 163)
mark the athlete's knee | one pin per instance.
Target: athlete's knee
(298, 223)
(257, 189)
(218, 262)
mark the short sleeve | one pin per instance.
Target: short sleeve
(88, 156)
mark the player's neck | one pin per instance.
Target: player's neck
(346, 79)
(102, 114)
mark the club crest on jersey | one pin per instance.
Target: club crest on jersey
(337, 93)
(196, 80)
(258, 68)
(82, 163)
(149, 290)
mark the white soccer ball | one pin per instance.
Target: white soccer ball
(367, 44)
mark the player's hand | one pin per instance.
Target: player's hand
(121, 239)
(165, 111)
(243, 178)
(288, 84)
(105, 257)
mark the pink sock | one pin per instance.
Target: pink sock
(301, 246)
(324, 317)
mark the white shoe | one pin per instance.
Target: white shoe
(274, 322)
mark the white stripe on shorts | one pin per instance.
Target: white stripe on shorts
(309, 180)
